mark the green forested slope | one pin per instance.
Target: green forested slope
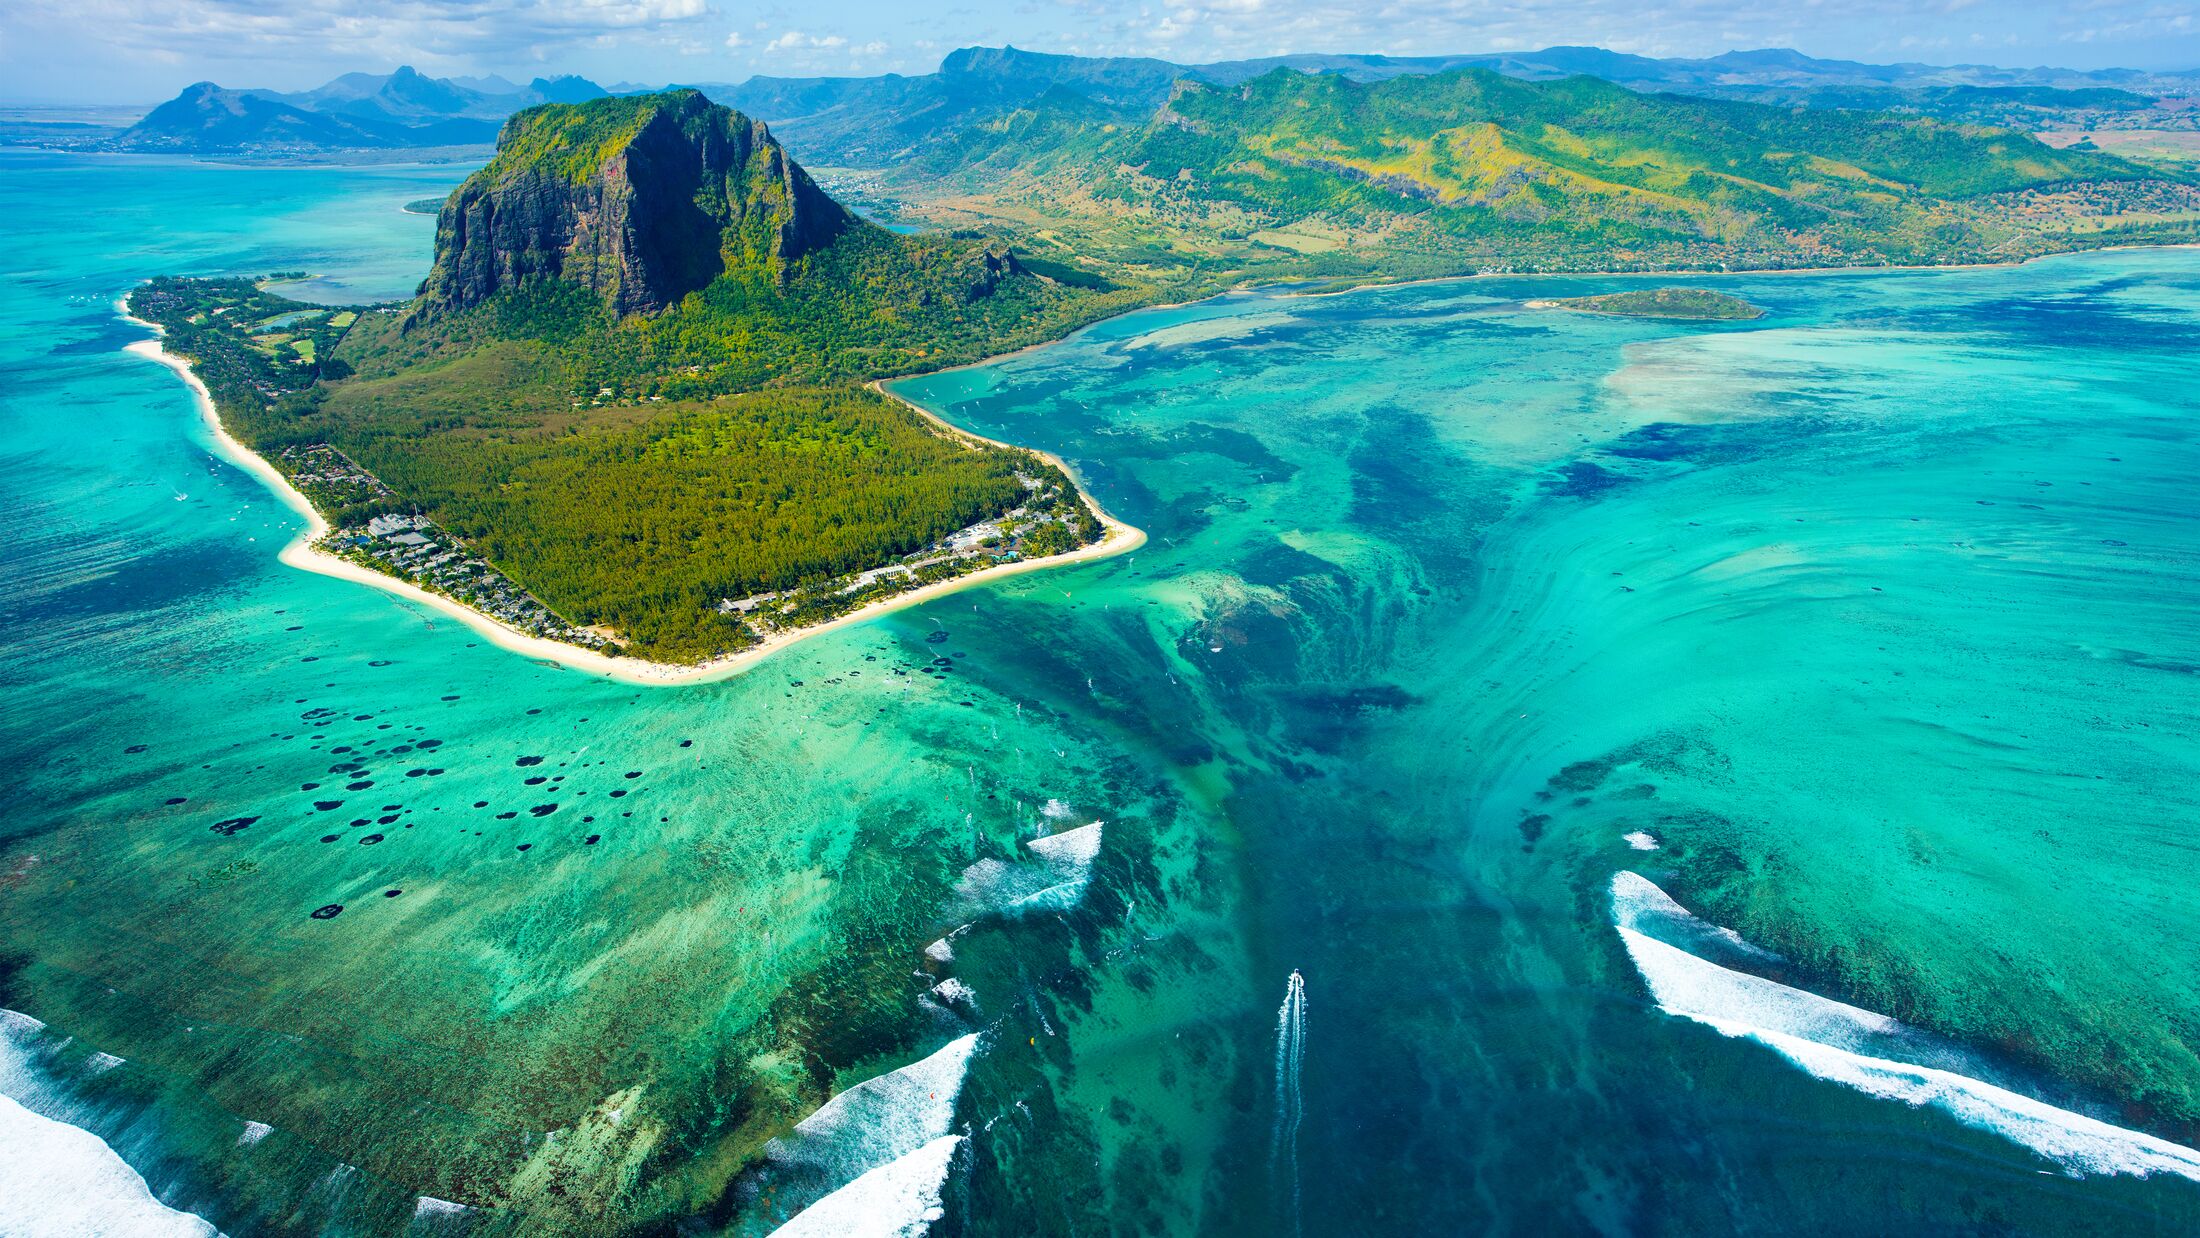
(633, 469)
(1470, 168)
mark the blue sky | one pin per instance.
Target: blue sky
(143, 50)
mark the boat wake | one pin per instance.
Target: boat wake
(1680, 958)
(1283, 1146)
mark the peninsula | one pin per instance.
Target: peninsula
(625, 423)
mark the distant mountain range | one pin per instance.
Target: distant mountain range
(880, 121)
(358, 111)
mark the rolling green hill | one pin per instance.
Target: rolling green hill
(1468, 168)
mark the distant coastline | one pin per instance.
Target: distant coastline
(1329, 288)
(1116, 538)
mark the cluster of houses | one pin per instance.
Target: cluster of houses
(416, 549)
(332, 479)
(997, 540)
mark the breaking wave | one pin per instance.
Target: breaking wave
(1857, 1048)
(879, 1125)
(899, 1199)
(1052, 878)
(59, 1180)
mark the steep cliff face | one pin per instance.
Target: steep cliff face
(641, 200)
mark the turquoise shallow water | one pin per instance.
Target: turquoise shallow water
(1875, 616)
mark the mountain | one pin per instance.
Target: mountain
(565, 88)
(405, 96)
(878, 121)
(1782, 68)
(206, 118)
(1436, 173)
(641, 200)
(357, 111)
(494, 84)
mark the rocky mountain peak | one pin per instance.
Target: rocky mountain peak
(641, 200)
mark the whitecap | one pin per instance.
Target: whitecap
(1640, 906)
(867, 1130)
(882, 1118)
(254, 1132)
(1641, 840)
(900, 1199)
(1861, 1049)
(1077, 847)
(59, 1181)
(1053, 877)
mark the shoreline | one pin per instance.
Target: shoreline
(1116, 538)
(1283, 289)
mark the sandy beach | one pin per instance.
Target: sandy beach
(1116, 538)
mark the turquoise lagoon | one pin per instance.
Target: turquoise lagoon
(1466, 635)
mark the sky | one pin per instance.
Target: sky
(141, 51)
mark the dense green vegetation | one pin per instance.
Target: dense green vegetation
(249, 345)
(571, 140)
(1291, 173)
(870, 305)
(1700, 303)
(635, 471)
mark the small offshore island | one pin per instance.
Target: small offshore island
(1697, 304)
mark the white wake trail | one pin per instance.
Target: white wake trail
(1283, 1148)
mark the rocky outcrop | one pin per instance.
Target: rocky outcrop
(988, 268)
(639, 200)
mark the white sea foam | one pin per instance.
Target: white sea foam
(57, 1181)
(900, 1199)
(940, 951)
(881, 1119)
(1641, 840)
(1870, 1052)
(428, 1206)
(950, 991)
(254, 1132)
(1052, 878)
(868, 1146)
(1076, 847)
(1639, 905)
